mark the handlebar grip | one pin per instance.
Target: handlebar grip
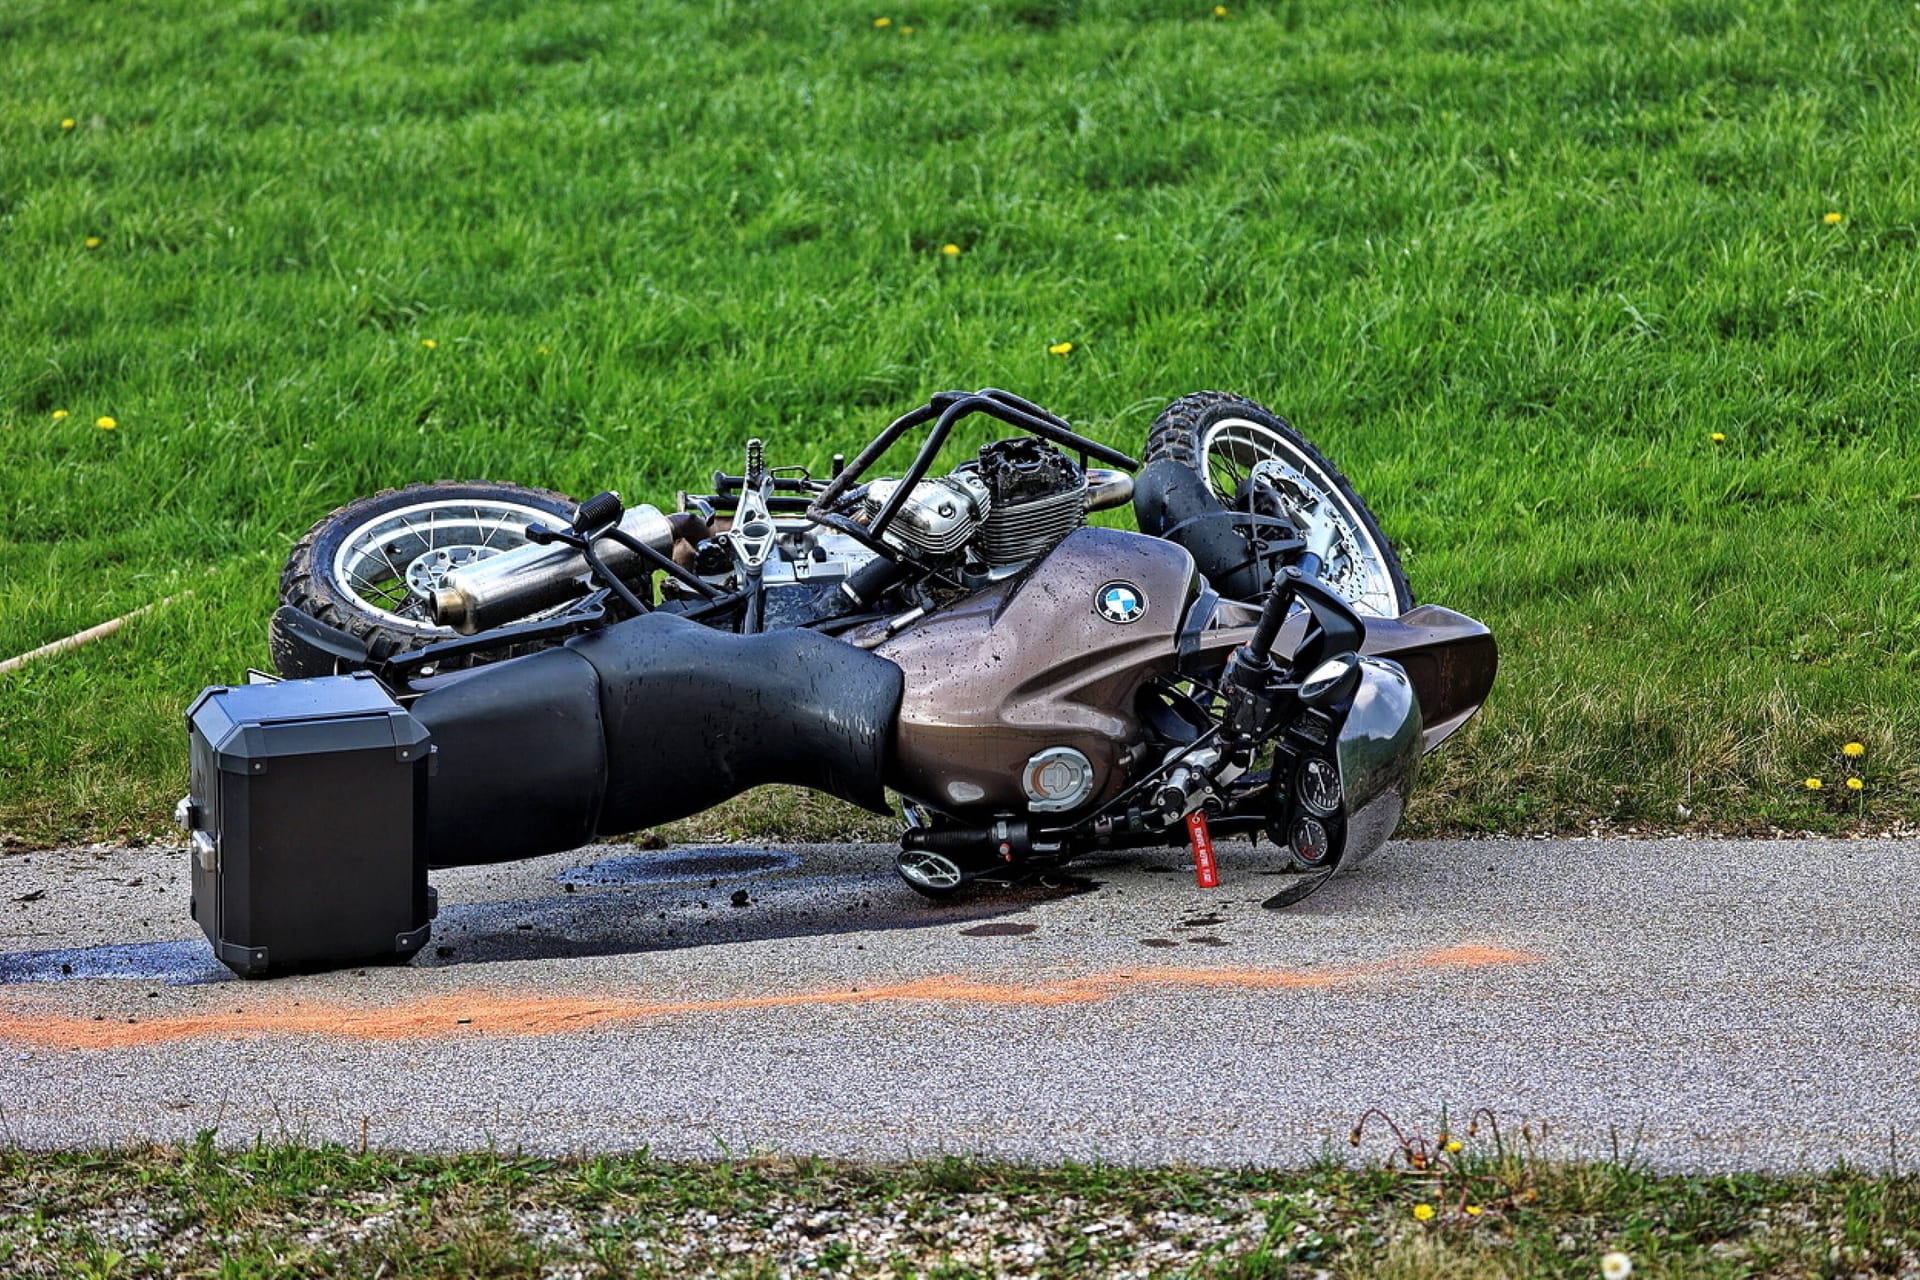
(1280, 599)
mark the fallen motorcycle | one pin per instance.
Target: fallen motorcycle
(471, 673)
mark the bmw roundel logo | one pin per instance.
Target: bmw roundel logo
(1120, 602)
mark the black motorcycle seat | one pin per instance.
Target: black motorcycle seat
(694, 716)
(644, 722)
(520, 759)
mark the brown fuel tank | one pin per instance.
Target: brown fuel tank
(1050, 658)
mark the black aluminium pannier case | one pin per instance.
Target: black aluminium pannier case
(307, 820)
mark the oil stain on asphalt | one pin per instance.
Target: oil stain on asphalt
(618, 905)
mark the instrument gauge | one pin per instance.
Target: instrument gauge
(1309, 841)
(1318, 786)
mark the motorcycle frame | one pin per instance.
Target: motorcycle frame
(1447, 650)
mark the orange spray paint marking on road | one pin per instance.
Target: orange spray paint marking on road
(458, 1014)
(1205, 871)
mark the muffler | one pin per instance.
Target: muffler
(514, 584)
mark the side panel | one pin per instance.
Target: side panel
(1032, 663)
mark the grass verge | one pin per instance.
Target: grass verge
(1499, 1212)
(1609, 308)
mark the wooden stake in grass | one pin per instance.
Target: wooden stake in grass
(88, 636)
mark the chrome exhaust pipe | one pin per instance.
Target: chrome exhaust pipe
(510, 586)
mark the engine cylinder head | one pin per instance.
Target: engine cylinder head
(1039, 497)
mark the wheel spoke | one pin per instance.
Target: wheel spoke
(1356, 566)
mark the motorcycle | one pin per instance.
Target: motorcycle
(472, 673)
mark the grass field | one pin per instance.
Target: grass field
(1609, 308)
(298, 1211)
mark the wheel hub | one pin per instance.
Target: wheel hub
(1327, 534)
(428, 571)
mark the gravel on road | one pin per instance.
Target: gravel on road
(1702, 1004)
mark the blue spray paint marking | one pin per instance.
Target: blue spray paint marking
(177, 964)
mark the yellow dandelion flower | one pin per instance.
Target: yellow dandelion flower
(1423, 1212)
(1474, 1211)
(541, 351)
(67, 123)
(951, 250)
(1813, 784)
(93, 242)
(428, 343)
(906, 31)
(59, 414)
(1060, 349)
(1854, 750)
(883, 23)
(1219, 11)
(1718, 437)
(1453, 1146)
(105, 424)
(1854, 784)
(1834, 219)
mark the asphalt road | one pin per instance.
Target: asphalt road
(1703, 1005)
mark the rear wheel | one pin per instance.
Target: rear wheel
(368, 568)
(1253, 460)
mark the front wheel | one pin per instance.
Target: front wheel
(370, 567)
(1253, 461)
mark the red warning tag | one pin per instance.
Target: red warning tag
(1201, 839)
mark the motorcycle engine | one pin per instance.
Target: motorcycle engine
(1039, 497)
(1012, 504)
(938, 517)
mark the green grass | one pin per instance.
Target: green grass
(287, 1210)
(1513, 264)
